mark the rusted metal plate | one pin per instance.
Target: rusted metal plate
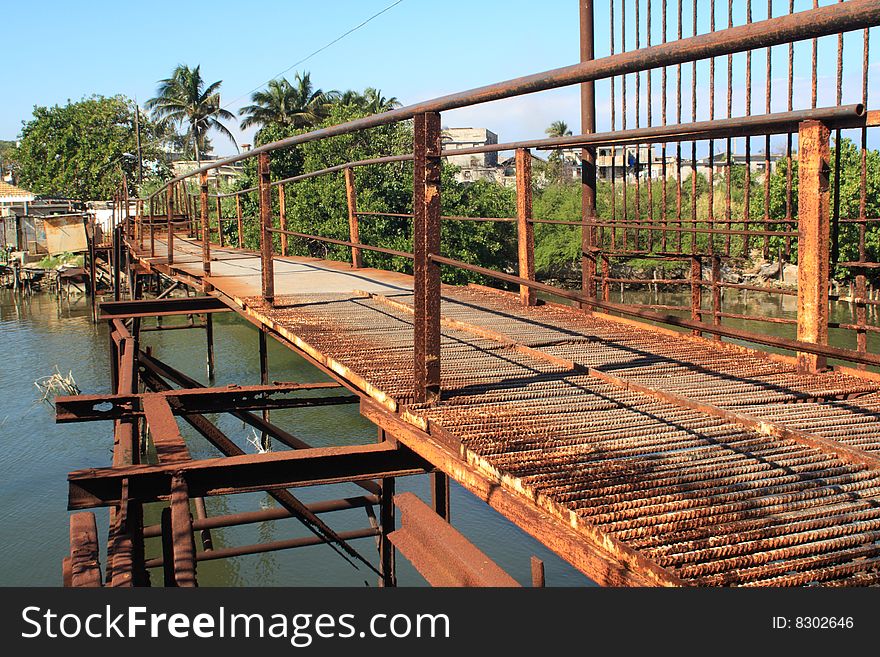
(169, 444)
(441, 554)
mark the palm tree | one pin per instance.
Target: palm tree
(376, 103)
(371, 101)
(297, 105)
(558, 129)
(184, 99)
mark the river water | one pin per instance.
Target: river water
(37, 334)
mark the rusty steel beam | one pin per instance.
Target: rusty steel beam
(184, 547)
(246, 473)
(169, 444)
(89, 408)
(84, 567)
(265, 515)
(219, 440)
(588, 153)
(239, 221)
(205, 223)
(267, 546)
(442, 555)
(525, 230)
(169, 239)
(353, 228)
(354, 245)
(426, 241)
(757, 338)
(813, 241)
(267, 268)
(813, 23)
(161, 307)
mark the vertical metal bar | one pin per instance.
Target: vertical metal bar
(440, 495)
(282, 217)
(663, 171)
(153, 227)
(525, 230)
(623, 112)
(728, 216)
(747, 183)
(767, 105)
(678, 181)
(537, 572)
(588, 157)
(267, 264)
(716, 293)
(219, 217)
(206, 225)
(711, 217)
(861, 315)
(813, 240)
(788, 157)
(650, 245)
(182, 533)
(139, 223)
(426, 242)
(613, 149)
(863, 176)
(354, 235)
(386, 547)
(167, 548)
(239, 220)
(694, 144)
(209, 338)
(696, 291)
(264, 380)
(170, 213)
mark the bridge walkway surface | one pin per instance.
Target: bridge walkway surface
(674, 459)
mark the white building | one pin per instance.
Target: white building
(473, 166)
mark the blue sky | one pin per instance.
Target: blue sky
(57, 51)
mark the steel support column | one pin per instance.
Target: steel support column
(813, 241)
(353, 227)
(525, 230)
(426, 241)
(588, 157)
(206, 228)
(169, 208)
(268, 266)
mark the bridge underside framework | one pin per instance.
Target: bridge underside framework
(640, 454)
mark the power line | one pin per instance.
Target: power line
(319, 50)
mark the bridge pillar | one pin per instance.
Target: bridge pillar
(426, 242)
(525, 229)
(267, 265)
(206, 226)
(813, 240)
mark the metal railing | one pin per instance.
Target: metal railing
(637, 224)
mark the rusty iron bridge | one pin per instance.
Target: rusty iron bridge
(642, 446)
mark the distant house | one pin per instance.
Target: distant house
(757, 162)
(11, 195)
(617, 162)
(474, 166)
(226, 174)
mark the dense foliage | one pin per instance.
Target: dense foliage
(317, 206)
(81, 150)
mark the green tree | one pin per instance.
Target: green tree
(297, 105)
(371, 101)
(82, 149)
(317, 206)
(184, 99)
